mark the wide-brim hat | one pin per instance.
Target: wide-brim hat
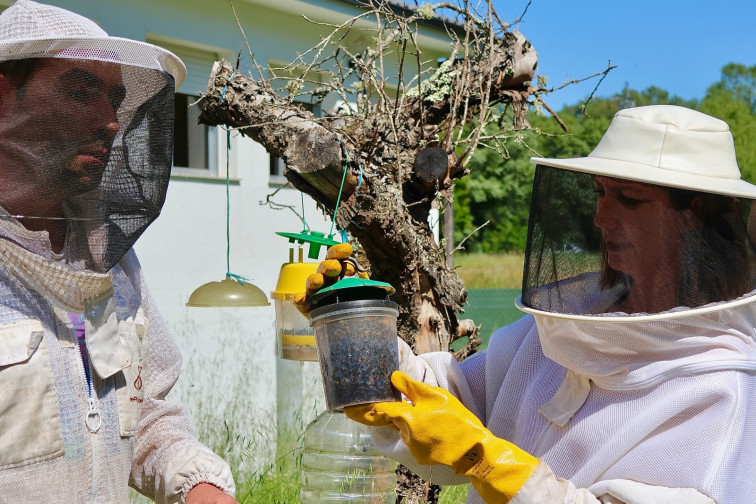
(32, 30)
(666, 145)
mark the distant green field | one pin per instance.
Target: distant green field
(490, 271)
(490, 309)
(493, 281)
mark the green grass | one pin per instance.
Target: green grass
(490, 271)
(279, 483)
(492, 281)
(455, 494)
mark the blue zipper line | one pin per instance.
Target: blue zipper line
(82, 342)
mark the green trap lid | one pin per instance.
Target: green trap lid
(349, 284)
(315, 239)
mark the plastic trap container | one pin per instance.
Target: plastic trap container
(357, 350)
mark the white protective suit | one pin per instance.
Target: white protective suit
(638, 409)
(47, 452)
(86, 135)
(623, 399)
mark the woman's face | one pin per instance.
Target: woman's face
(641, 228)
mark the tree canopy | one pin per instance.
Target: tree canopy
(497, 192)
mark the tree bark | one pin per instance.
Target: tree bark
(387, 214)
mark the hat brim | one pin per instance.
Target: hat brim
(107, 49)
(653, 175)
(625, 318)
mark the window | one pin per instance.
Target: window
(195, 147)
(276, 167)
(191, 140)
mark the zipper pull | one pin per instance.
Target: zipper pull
(93, 419)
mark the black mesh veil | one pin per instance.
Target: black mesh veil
(134, 184)
(599, 244)
(86, 137)
(86, 150)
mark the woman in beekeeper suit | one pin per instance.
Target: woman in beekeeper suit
(633, 377)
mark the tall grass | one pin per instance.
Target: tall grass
(278, 482)
(490, 271)
(265, 459)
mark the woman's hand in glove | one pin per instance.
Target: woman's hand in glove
(438, 429)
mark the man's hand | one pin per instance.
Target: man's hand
(205, 493)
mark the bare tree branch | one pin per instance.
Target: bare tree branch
(459, 245)
(395, 103)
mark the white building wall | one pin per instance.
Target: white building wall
(231, 365)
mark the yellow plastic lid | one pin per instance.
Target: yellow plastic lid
(298, 340)
(292, 279)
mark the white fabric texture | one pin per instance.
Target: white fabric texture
(544, 487)
(667, 145)
(46, 451)
(669, 416)
(69, 288)
(33, 30)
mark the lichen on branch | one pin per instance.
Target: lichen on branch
(402, 126)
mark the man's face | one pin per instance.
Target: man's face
(58, 127)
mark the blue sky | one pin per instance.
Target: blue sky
(680, 46)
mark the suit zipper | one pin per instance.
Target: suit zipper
(93, 420)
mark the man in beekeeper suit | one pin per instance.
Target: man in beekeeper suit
(86, 132)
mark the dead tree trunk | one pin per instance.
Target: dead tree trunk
(398, 154)
(386, 214)
(394, 171)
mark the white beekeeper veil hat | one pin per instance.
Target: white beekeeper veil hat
(653, 219)
(32, 30)
(639, 266)
(88, 126)
(666, 145)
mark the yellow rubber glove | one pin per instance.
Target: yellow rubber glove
(337, 264)
(438, 429)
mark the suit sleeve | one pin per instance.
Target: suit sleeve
(168, 460)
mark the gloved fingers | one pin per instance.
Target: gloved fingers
(403, 417)
(330, 268)
(318, 280)
(340, 251)
(360, 413)
(416, 391)
(378, 414)
(337, 264)
(349, 269)
(302, 304)
(367, 415)
(314, 282)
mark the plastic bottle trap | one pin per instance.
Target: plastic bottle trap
(356, 339)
